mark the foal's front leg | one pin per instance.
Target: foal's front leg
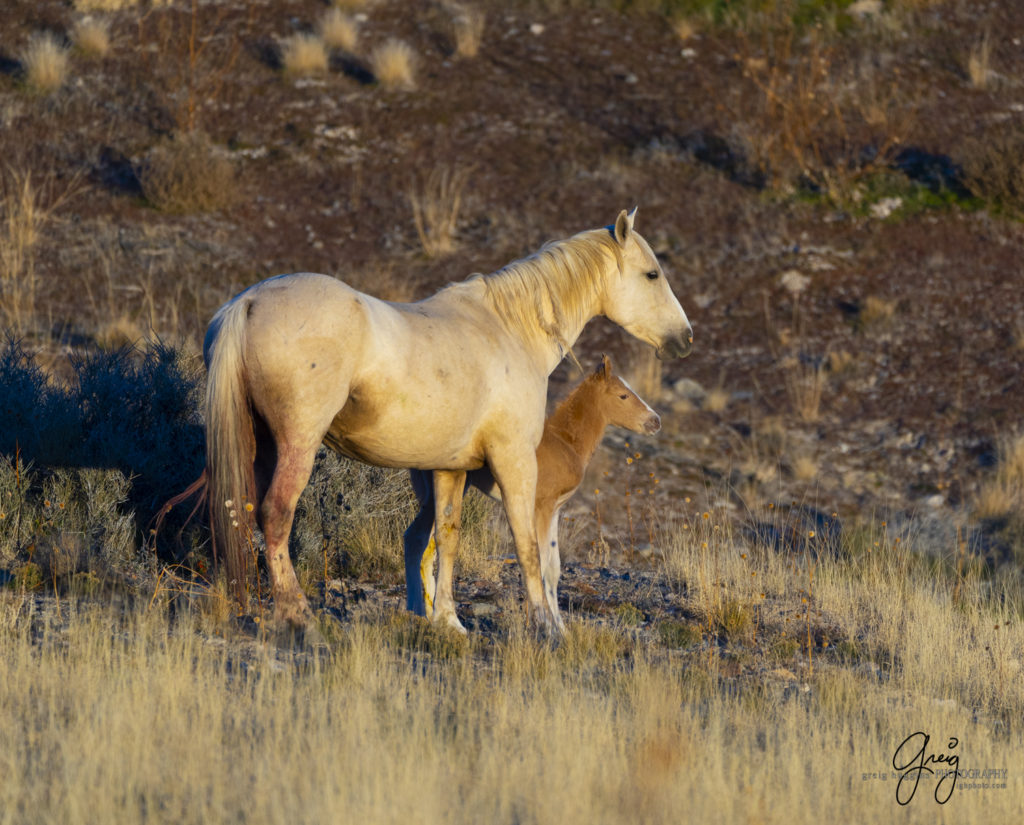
(449, 486)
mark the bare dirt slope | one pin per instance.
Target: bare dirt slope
(857, 310)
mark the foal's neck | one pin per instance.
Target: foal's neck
(579, 420)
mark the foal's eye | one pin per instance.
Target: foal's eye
(652, 275)
(623, 397)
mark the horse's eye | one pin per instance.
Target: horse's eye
(652, 275)
(623, 397)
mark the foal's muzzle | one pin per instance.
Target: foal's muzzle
(652, 424)
(677, 347)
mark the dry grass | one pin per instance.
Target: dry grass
(467, 29)
(45, 62)
(303, 55)
(91, 36)
(1002, 495)
(979, 64)
(601, 729)
(338, 30)
(435, 210)
(187, 174)
(351, 5)
(394, 65)
(993, 166)
(25, 207)
(107, 5)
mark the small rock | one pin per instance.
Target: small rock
(885, 207)
(537, 28)
(690, 390)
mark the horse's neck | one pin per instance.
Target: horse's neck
(579, 420)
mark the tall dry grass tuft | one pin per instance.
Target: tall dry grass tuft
(108, 5)
(45, 62)
(467, 29)
(91, 36)
(303, 55)
(435, 209)
(979, 63)
(1002, 496)
(338, 30)
(394, 65)
(25, 206)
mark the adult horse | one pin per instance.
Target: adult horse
(445, 384)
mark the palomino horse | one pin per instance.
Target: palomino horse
(571, 435)
(445, 384)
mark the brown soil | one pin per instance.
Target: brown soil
(563, 119)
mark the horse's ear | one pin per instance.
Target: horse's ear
(623, 226)
(605, 370)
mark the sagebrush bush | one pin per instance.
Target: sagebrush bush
(188, 174)
(86, 466)
(993, 167)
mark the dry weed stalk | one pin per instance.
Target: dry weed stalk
(435, 210)
(25, 207)
(812, 131)
(199, 73)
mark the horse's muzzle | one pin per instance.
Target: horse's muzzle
(652, 424)
(677, 347)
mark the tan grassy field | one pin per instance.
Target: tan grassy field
(135, 716)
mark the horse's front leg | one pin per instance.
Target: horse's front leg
(419, 577)
(516, 474)
(449, 486)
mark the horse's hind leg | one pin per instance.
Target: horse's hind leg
(448, 489)
(277, 512)
(418, 589)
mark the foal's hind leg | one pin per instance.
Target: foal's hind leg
(291, 473)
(448, 489)
(418, 589)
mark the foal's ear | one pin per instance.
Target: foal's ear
(624, 225)
(605, 370)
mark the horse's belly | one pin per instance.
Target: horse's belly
(387, 438)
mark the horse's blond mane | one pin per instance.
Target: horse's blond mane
(555, 288)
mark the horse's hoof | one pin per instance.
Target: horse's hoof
(449, 620)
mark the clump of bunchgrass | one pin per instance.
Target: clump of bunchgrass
(467, 29)
(91, 36)
(45, 62)
(338, 30)
(435, 210)
(394, 65)
(303, 55)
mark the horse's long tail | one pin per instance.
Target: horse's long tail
(230, 447)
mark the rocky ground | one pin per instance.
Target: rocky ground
(857, 310)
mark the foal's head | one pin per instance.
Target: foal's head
(621, 406)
